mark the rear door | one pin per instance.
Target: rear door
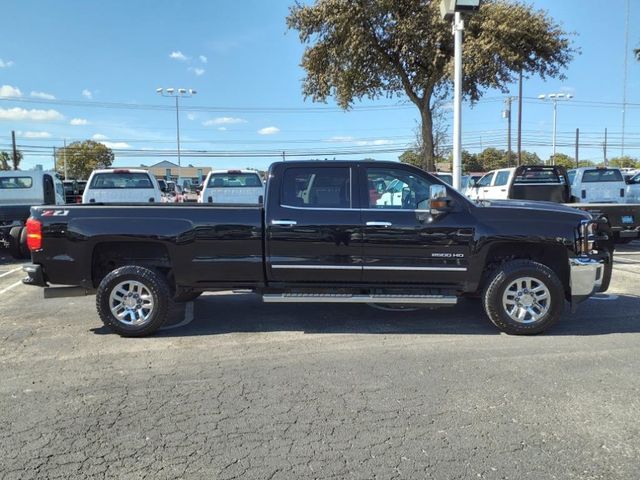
(403, 243)
(481, 188)
(500, 188)
(313, 225)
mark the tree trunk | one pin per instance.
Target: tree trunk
(427, 150)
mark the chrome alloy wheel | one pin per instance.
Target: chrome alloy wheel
(526, 300)
(131, 303)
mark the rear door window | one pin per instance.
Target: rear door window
(324, 187)
(601, 175)
(234, 180)
(9, 183)
(502, 178)
(113, 180)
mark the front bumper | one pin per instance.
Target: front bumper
(585, 277)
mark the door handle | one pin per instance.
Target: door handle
(485, 190)
(503, 189)
(379, 224)
(284, 223)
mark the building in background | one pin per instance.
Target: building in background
(166, 170)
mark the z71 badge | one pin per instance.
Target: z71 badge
(55, 213)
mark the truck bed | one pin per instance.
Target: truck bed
(190, 238)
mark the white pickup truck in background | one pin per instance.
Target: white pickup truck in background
(122, 186)
(232, 186)
(19, 191)
(597, 185)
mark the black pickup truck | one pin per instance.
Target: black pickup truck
(329, 231)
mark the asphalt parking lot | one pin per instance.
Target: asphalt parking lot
(236, 389)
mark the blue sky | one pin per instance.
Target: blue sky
(240, 57)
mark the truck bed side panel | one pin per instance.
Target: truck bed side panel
(205, 245)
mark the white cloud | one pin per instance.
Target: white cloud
(223, 121)
(32, 134)
(191, 116)
(178, 55)
(203, 59)
(35, 115)
(86, 93)
(222, 129)
(340, 138)
(373, 142)
(9, 91)
(268, 130)
(99, 136)
(6, 64)
(197, 71)
(116, 145)
(78, 121)
(43, 95)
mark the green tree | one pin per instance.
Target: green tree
(411, 157)
(563, 160)
(530, 158)
(7, 162)
(492, 158)
(4, 161)
(624, 162)
(389, 48)
(82, 158)
(470, 162)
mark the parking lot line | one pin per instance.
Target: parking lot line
(10, 272)
(5, 290)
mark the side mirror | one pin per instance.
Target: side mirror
(439, 201)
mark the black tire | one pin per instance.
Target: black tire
(24, 248)
(503, 278)
(158, 290)
(14, 242)
(185, 295)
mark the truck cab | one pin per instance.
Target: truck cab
(597, 185)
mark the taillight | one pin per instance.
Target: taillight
(34, 234)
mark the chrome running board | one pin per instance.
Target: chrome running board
(357, 298)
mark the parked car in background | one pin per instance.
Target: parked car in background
(19, 190)
(232, 186)
(122, 186)
(174, 193)
(71, 191)
(597, 185)
(552, 184)
(632, 194)
(445, 177)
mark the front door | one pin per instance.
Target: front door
(314, 231)
(403, 242)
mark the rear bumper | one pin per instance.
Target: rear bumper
(586, 275)
(35, 275)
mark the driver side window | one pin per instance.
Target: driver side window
(395, 189)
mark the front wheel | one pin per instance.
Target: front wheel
(523, 297)
(133, 301)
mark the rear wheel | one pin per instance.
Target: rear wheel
(133, 301)
(16, 248)
(523, 297)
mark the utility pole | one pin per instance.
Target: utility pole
(577, 147)
(458, 28)
(54, 160)
(606, 162)
(507, 114)
(15, 150)
(624, 84)
(64, 157)
(520, 120)
(284, 158)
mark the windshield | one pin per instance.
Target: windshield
(112, 180)
(234, 180)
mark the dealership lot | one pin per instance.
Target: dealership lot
(233, 388)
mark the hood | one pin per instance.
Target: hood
(533, 205)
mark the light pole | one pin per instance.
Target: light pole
(177, 93)
(452, 10)
(555, 98)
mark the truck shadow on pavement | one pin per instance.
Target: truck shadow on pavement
(245, 313)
